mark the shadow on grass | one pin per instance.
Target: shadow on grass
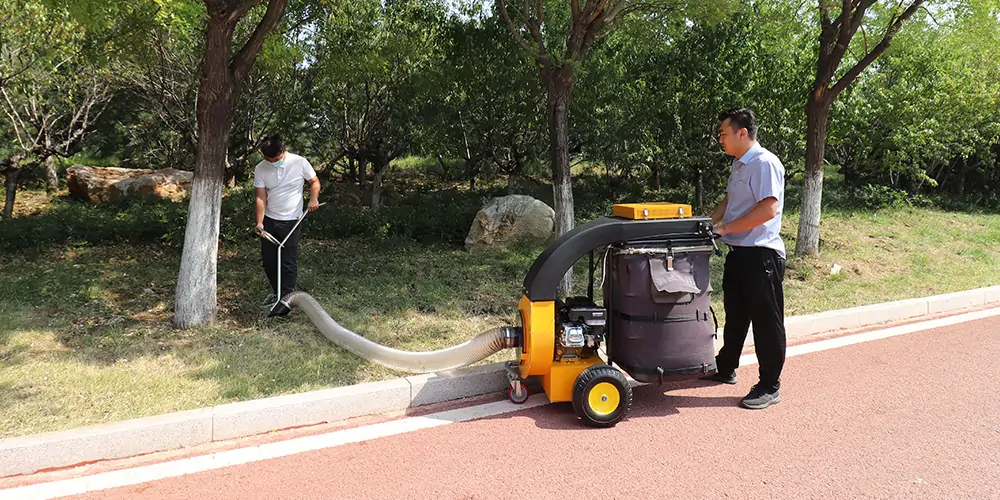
(11, 394)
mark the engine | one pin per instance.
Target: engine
(580, 328)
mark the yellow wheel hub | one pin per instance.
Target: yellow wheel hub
(604, 398)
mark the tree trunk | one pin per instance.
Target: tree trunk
(362, 171)
(817, 114)
(377, 187)
(470, 170)
(51, 177)
(560, 90)
(10, 182)
(516, 172)
(469, 165)
(196, 300)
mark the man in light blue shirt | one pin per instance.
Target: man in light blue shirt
(749, 220)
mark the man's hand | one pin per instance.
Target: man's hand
(765, 210)
(259, 230)
(313, 205)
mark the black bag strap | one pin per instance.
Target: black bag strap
(656, 318)
(715, 333)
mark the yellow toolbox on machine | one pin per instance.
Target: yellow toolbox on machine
(644, 211)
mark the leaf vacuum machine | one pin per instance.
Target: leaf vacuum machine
(654, 323)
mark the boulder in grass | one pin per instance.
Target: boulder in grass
(105, 184)
(510, 219)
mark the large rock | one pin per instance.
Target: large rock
(508, 219)
(104, 184)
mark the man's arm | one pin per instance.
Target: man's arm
(261, 205)
(720, 211)
(313, 193)
(764, 211)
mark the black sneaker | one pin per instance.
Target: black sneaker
(760, 398)
(725, 378)
(270, 300)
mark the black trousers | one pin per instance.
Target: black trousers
(752, 293)
(289, 255)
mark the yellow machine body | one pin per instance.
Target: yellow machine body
(558, 382)
(538, 351)
(538, 320)
(646, 211)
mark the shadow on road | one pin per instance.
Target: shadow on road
(649, 401)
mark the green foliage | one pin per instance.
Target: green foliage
(75, 223)
(371, 75)
(444, 80)
(442, 216)
(488, 107)
(878, 197)
(923, 119)
(650, 99)
(58, 71)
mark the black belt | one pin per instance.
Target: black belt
(748, 249)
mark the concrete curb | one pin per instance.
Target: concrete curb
(28, 454)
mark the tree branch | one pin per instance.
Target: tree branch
(619, 10)
(14, 118)
(97, 95)
(853, 73)
(244, 60)
(929, 13)
(511, 28)
(849, 21)
(865, 34)
(846, 16)
(597, 12)
(241, 10)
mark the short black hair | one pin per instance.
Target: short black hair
(271, 146)
(741, 118)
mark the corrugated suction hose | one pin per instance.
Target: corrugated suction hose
(477, 349)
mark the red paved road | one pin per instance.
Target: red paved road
(916, 416)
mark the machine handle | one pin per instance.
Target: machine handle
(716, 236)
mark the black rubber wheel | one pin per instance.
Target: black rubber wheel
(514, 398)
(602, 396)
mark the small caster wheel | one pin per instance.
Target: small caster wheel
(519, 394)
(601, 396)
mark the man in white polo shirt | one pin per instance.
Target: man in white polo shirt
(278, 181)
(749, 221)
